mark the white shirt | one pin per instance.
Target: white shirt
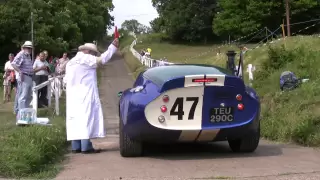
(37, 64)
(8, 66)
(17, 75)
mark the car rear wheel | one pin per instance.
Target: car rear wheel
(129, 147)
(247, 144)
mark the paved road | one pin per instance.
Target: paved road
(270, 162)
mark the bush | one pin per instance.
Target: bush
(32, 150)
(290, 116)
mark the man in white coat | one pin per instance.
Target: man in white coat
(84, 113)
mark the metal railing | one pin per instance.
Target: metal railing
(54, 85)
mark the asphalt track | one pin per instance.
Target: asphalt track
(271, 161)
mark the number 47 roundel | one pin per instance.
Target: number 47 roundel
(177, 107)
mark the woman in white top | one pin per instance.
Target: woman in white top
(40, 68)
(8, 79)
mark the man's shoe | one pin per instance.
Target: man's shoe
(92, 151)
(76, 151)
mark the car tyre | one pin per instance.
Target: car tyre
(129, 147)
(247, 144)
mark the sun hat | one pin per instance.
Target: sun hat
(27, 44)
(90, 47)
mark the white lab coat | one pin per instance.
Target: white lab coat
(84, 112)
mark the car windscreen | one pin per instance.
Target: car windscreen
(159, 75)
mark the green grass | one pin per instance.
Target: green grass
(33, 151)
(132, 63)
(134, 66)
(287, 117)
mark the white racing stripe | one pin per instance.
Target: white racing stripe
(220, 80)
(153, 111)
(208, 135)
(188, 80)
(190, 127)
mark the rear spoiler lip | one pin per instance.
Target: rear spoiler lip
(164, 87)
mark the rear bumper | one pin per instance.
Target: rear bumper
(145, 132)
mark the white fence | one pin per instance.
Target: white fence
(54, 85)
(149, 62)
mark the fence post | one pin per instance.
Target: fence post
(35, 100)
(49, 92)
(231, 60)
(56, 96)
(250, 70)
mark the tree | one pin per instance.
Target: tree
(240, 17)
(157, 25)
(59, 25)
(185, 20)
(131, 25)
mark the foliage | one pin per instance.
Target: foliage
(157, 25)
(185, 20)
(239, 17)
(291, 116)
(59, 25)
(136, 27)
(200, 21)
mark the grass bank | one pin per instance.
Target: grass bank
(286, 116)
(33, 151)
(132, 63)
(290, 116)
(180, 53)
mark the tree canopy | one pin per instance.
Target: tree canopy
(59, 25)
(196, 21)
(135, 26)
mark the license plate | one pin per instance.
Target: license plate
(221, 114)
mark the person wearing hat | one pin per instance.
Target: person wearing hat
(84, 114)
(22, 63)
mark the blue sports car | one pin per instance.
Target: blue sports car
(188, 103)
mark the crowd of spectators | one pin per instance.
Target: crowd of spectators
(21, 73)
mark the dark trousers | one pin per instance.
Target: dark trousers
(42, 93)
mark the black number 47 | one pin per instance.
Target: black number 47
(177, 108)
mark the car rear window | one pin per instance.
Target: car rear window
(160, 75)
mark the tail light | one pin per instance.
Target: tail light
(240, 106)
(239, 97)
(163, 108)
(205, 80)
(165, 98)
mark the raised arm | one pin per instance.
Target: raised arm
(107, 55)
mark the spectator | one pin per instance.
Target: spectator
(8, 79)
(149, 51)
(142, 53)
(18, 82)
(41, 71)
(61, 64)
(22, 63)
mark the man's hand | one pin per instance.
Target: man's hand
(116, 42)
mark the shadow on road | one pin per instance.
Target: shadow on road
(207, 151)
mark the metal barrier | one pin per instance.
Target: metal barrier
(54, 84)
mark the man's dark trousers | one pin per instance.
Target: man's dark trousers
(42, 93)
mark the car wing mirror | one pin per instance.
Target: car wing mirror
(120, 93)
